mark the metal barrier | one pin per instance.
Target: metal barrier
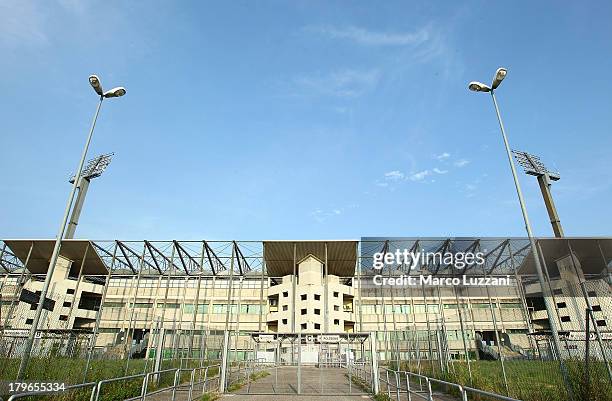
(98, 388)
(425, 392)
(204, 379)
(68, 388)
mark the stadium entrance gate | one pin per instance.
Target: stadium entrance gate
(299, 363)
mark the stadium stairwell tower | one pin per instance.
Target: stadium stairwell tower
(312, 297)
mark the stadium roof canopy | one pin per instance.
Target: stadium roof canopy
(594, 254)
(281, 256)
(42, 249)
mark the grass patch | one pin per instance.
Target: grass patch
(527, 380)
(71, 371)
(237, 385)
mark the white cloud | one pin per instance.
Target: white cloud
(321, 215)
(345, 83)
(438, 171)
(372, 38)
(394, 175)
(461, 163)
(420, 176)
(443, 156)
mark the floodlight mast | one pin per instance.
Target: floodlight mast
(95, 167)
(533, 166)
(94, 81)
(475, 86)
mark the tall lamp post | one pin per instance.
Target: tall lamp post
(115, 92)
(476, 86)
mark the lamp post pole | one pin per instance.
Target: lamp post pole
(532, 242)
(58, 240)
(119, 91)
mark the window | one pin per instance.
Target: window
(336, 308)
(558, 291)
(285, 307)
(160, 305)
(601, 323)
(337, 322)
(317, 311)
(29, 321)
(304, 326)
(70, 291)
(285, 294)
(565, 319)
(304, 297)
(510, 305)
(114, 304)
(66, 304)
(317, 297)
(480, 306)
(450, 306)
(284, 321)
(304, 311)
(592, 294)
(317, 326)
(63, 318)
(336, 294)
(561, 305)
(596, 308)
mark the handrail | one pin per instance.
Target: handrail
(463, 390)
(76, 386)
(97, 386)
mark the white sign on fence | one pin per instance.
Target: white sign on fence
(328, 338)
(266, 338)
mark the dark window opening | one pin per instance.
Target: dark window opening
(304, 297)
(317, 311)
(596, 308)
(284, 321)
(66, 304)
(336, 322)
(304, 311)
(285, 294)
(29, 321)
(561, 305)
(63, 318)
(565, 319)
(336, 294)
(70, 291)
(317, 297)
(317, 326)
(601, 323)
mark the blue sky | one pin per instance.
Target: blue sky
(304, 119)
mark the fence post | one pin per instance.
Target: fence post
(223, 367)
(397, 385)
(408, 387)
(375, 384)
(429, 388)
(191, 384)
(204, 385)
(177, 374)
(387, 383)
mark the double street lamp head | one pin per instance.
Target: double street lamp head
(500, 74)
(94, 81)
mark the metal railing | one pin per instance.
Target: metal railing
(202, 373)
(68, 388)
(395, 387)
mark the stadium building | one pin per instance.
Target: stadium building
(177, 298)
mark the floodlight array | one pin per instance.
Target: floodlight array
(533, 165)
(95, 167)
